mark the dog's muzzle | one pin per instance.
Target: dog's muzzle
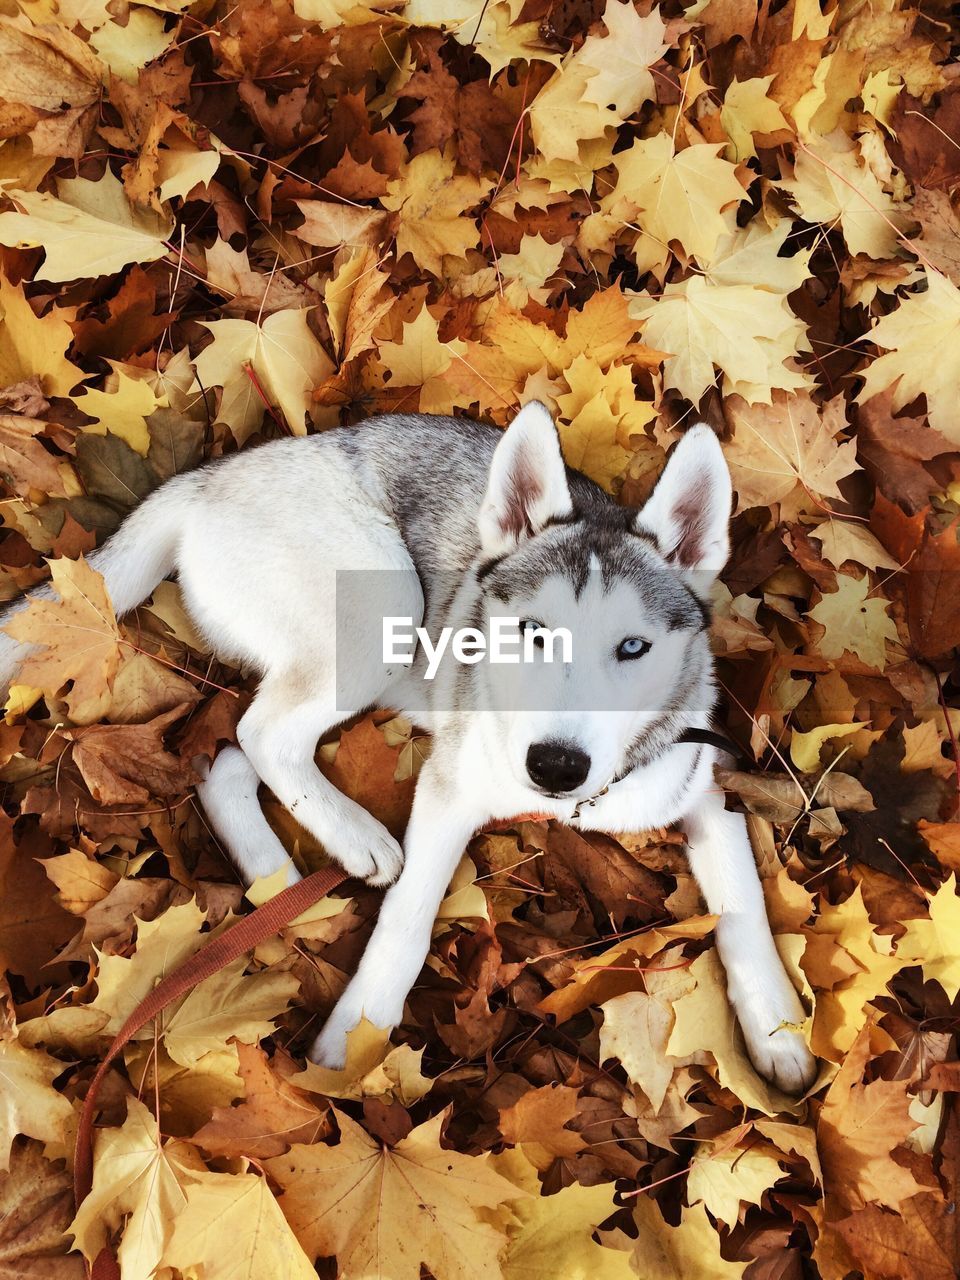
(557, 767)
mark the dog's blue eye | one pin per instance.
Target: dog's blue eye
(531, 624)
(632, 647)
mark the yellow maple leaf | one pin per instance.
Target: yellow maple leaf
(854, 621)
(842, 540)
(138, 1182)
(78, 637)
(599, 415)
(922, 341)
(858, 1128)
(431, 201)
(231, 1228)
(284, 359)
(89, 230)
(420, 359)
(122, 407)
(126, 49)
(832, 186)
(373, 1069)
(674, 196)
(356, 302)
(805, 747)
(637, 1026)
(28, 1102)
(229, 1003)
(933, 942)
(748, 110)
(35, 346)
(705, 1022)
(561, 1226)
(493, 30)
(788, 453)
(620, 61)
(748, 333)
(726, 1179)
(839, 1014)
(691, 1249)
(385, 1210)
(752, 255)
(600, 84)
(532, 266)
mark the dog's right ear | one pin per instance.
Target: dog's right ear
(527, 487)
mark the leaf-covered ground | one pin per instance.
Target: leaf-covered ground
(223, 222)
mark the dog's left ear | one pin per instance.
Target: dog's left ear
(689, 510)
(527, 487)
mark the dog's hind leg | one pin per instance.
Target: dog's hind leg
(279, 735)
(228, 794)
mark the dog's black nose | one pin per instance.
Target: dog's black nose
(556, 766)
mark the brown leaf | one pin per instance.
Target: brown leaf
(36, 1208)
(128, 764)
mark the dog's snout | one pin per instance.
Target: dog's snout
(556, 766)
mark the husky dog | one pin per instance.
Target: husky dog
(457, 522)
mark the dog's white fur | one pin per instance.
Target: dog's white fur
(258, 541)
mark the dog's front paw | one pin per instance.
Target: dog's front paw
(784, 1059)
(776, 1048)
(380, 1007)
(367, 850)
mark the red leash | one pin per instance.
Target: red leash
(248, 933)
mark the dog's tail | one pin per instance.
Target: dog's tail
(133, 562)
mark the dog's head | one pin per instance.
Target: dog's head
(630, 587)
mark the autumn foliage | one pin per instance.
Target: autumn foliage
(224, 222)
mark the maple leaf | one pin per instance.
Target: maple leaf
(637, 1026)
(34, 346)
(127, 764)
(663, 1252)
(357, 300)
(36, 1200)
(231, 1227)
(748, 110)
(920, 338)
(854, 621)
(724, 1180)
(79, 637)
(431, 200)
(272, 1115)
(602, 416)
(123, 407)
(90, 230)
(420, 359)
(537, 1122)
(747, 333)
(788, 453)
(854, 970)
(561, 1226)
(598, 85)
(373, 1069)
(28, 1104)
(387, 1210)
(932, 943)
(279, 359)
(136, 1183)
(858, 1129)
(25, 461)
(229, 1003)
(81, 881)
(704, 1021)
(832, 186)
(674, 196)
